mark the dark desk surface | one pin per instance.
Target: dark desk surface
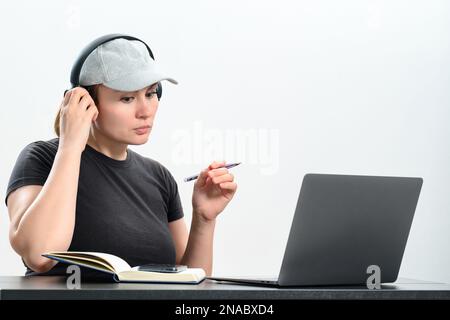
(54, 287)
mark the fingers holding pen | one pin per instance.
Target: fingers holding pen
(229, 186)
(222, 176)
(211, 174)
(216, 164)
(202, 178)
(216, 173)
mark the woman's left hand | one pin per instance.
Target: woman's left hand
(213, 190)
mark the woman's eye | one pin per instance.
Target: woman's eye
(150, 94)
(130, 99)
(126, 99)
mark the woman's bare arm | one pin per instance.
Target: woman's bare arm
(47, 223)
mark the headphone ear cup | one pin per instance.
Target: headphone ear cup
(159, 90)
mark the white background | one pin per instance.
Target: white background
(355, 87)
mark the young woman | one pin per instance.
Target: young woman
(87, 191)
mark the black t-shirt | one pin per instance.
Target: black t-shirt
(123, 206)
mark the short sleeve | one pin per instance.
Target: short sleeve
(174, 206)
(32, 167)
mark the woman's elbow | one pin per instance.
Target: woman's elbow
(39, 264)
(31, 257)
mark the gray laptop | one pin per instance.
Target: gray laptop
(342, 225)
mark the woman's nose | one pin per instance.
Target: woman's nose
(146, 106)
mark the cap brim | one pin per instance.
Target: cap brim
(137, 81)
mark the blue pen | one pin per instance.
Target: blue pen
(228, 166)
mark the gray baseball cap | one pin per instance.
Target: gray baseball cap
(123, 65)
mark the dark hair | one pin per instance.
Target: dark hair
(93, 92)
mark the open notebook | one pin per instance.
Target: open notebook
(121, 270)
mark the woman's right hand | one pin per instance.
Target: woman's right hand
(77, 112)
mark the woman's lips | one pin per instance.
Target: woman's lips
(142, 130)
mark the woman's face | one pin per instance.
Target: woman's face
(120, 113)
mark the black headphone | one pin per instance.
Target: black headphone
(76, 68)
